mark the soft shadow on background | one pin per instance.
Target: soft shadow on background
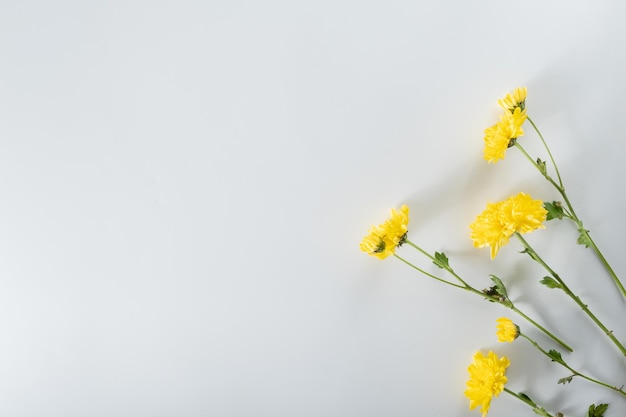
(185, 185)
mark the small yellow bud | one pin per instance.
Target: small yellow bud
(507, 330)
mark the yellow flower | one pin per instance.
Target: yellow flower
(517, 99)
(523, 213)
(487, 379)
(489, 230)
(495, 225)
(503, 134)
(511, 123)
(496, 144)
(507, 330)
(382, 240)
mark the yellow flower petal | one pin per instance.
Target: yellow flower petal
(517, 99)
(487, 379)
(489, 230)
(523, 213)
(495, 225)
(503, 134)
(496, 144)
(511, 123)
(507, 330)
(382, 240)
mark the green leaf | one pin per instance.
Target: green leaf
(441, 260)
(497, 293)
(597, 410)
(542, 166)
(550, 282)
(555, 356)
(526, 399)
(540, 411)
(555, 210)
(584, 238)
(565, 380)
(500, 288)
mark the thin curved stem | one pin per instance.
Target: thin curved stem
(584, 233)
(526, 399)
(465, 286)
(540, 327)
(533, 254)
(427, 273)
(432, 258)
(560, 361)
(545, 145)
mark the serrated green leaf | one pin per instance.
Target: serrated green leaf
(441, 260)
(550, 282)
(583, 238)
(555, 356)
(565, 380)
(554, 209)
(597, 410)
(499, 285)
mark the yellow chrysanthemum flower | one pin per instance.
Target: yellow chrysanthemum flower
(523, 213)
(503, 134)
(507, 330)
(495, 225)
(489, 230)
(511, 123)
(487, 379)
(517, 99)
(496, 144)
(382, 240)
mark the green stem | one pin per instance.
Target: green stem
(542, 329)
(526, 399)
(600, 256)
(572, 370)
(432, 258)
(533, 254)
(545, 145)
(465, 286)
(579, 224)
(427, 273)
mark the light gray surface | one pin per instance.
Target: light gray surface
(185, 185)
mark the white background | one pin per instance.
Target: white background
(184, 186)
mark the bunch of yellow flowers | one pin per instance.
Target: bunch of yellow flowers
(493, 228)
